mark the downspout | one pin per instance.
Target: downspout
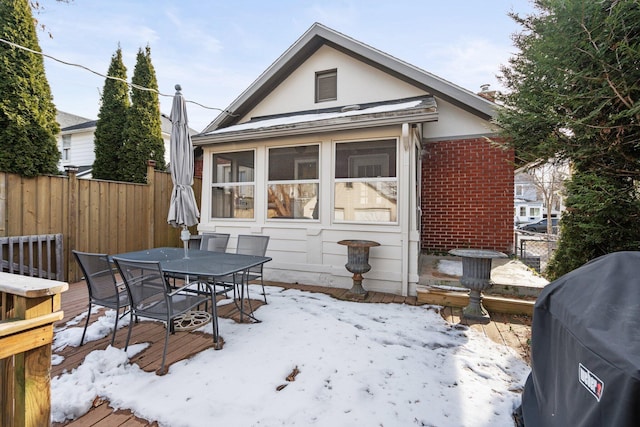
(404, 224)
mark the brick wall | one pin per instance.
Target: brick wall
(467, 196)
(197, 167)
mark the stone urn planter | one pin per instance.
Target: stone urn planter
(358, 262)
(476, 276)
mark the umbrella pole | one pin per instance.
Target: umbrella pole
(185, 235)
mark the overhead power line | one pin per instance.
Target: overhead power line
(135, 86)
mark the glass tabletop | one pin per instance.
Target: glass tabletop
(196, 262)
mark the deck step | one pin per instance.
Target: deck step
(492, 303)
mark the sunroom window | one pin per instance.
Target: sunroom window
(233, 185)
(366, 183)
(292, 190)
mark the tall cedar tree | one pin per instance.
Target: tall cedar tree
(109, 135)
(143, 133)
(573, 91)
(28, 126)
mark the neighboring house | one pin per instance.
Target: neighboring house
(534, 186)
(528, 207)
(337, 140)
(76, 144)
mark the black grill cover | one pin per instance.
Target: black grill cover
(585, 347)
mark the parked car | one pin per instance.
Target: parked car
(540, 226)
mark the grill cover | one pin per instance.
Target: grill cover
(585, 347)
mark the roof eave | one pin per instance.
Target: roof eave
(319, 126)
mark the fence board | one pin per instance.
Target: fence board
(110, 240)
(91, 215)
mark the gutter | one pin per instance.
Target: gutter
(304, 128)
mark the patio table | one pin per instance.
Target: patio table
(198, 263)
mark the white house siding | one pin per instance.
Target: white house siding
(81, 152)
(306, 251)
(358, 83)
(454, 123)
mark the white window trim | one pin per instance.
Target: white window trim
(334, 180)
(213, 185)
(317, 181)
(319, 76)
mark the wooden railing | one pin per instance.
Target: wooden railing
(28, 308)
(36, 255)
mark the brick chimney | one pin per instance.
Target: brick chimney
(486, 93)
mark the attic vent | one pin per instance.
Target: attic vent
(327, 85)
(354, 107)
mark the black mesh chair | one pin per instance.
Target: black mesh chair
(253, 244)
(152, 297)
(104, 289)
(214, 242)
(248, 244)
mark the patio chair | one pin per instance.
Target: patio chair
(152, 297)
(254, 245)
(104, 289)
(214, 242)
(250, 244)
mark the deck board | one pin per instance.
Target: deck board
(511, 330)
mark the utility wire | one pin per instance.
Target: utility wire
(135, 86)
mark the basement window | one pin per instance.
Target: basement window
(327, 85)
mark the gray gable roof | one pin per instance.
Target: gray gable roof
(69, 122)
(419, 108)
(66, 120)
(86, 125)
(318, 35)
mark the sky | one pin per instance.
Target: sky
(359, 365)
(216, 49)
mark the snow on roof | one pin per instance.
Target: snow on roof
(292, 119)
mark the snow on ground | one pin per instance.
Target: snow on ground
(359, 364)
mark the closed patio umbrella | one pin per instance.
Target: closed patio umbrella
(183, 210)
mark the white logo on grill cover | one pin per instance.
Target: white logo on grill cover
(590, 381)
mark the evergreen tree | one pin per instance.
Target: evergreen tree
(143, 130)
(109, 135)
(28, 126)
(602, 217)
(574, 93)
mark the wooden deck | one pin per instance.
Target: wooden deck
(510, 330)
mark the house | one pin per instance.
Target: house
(539, 185)
(338, 140)
(76, 143)
(528, 207)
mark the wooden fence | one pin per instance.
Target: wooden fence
(92, 215)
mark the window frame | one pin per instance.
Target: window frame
(295, 180)
(66, 148)
(228, 184)
(350, 181)
(324, 76)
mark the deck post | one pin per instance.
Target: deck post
(29, 308)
